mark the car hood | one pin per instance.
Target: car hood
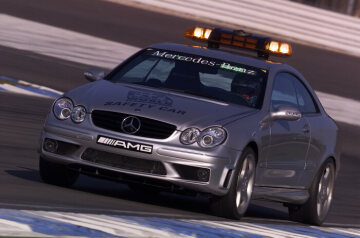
(179, 109)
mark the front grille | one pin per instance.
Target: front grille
(124, 162)
(149, 128)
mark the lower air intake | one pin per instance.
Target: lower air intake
(124, 162)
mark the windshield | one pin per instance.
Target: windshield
(195, 75)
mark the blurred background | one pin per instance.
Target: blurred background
(348, 7)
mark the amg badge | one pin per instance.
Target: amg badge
(123, 144)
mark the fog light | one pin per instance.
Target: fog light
(203, 174)
(50, 145)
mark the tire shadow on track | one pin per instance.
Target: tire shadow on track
(25, 173)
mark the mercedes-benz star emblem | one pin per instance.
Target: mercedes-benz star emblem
(130, 125)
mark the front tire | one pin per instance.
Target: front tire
(316, 209)
(56, 174)
(235, 203)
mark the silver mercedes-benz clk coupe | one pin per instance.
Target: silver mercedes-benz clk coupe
(216, 122)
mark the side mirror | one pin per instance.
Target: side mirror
(287, 113)
(94, 74)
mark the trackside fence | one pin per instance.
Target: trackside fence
(281, 17)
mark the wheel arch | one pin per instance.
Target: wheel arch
(254, 146)
(332, 158)
(334, 161)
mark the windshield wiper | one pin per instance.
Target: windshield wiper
(203, 95)
(194, 93)
(172, 89)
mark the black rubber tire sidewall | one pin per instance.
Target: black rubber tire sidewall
(225, 206)
(307, 213)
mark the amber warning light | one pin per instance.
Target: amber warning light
(216, 37)
(278, 47)
(198, 33)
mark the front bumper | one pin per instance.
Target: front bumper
(219, 161)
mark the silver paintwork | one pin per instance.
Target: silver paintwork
(289, 152)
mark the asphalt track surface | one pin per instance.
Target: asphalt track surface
(21, 117)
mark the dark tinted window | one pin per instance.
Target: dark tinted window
(305, 101)
(196, 75)
(288, 90)
(284, 93)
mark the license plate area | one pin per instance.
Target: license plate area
(124, 144)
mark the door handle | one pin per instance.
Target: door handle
(306, 129)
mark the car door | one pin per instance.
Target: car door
(289, 140)
(310, 110)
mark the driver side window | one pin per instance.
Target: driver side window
(283, 93)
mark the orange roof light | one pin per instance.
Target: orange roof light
(274, 46)
(200, 33)
(281, 48)
(285, 48)
(216, 37)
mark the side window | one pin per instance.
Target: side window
(305, 100)
(284, 93)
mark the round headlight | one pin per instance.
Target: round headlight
(189, 136)
(78, 114)
(62, 108)
(212, 137)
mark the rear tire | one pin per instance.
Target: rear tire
(235, 203)
(56, 174)
(316, 209)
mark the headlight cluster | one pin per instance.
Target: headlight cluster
(64, 109)
(207, 138)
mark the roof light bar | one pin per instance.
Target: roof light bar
(215, 37)
(198, 33)
(277, 47)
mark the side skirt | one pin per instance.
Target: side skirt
(285, 195)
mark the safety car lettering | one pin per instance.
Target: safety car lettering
(150, 98)
(145, 105)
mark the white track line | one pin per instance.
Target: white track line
(68, 45)
(16, 229)
(26, 88)
(340, 108)
(60, 43)
(12, 225)
(253, 229)
(39, 87)
(348, 231)
(15, 89)
(111, 225)
(134, 226)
